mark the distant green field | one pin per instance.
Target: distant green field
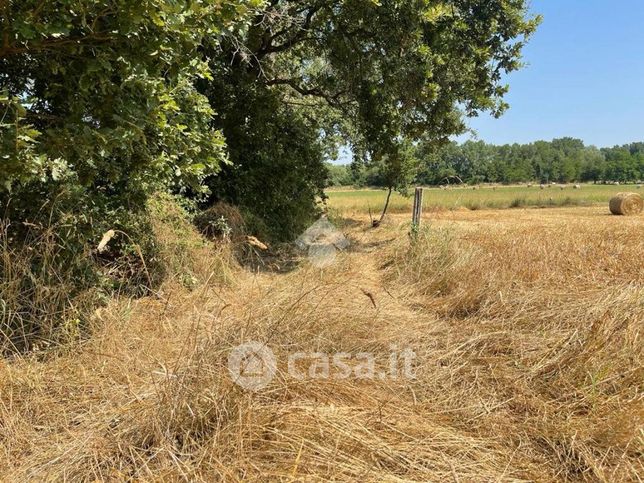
(361, 201)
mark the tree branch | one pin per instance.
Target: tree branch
(299, 36)
(331, 99)
(51, 44)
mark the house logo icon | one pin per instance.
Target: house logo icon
(321, 241)
(252, 365)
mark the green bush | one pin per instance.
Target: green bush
(98, 110)
(277, 172)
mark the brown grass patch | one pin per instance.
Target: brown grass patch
(528, 367)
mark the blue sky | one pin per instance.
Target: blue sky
(584, 78)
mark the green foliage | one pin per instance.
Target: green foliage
(339, 175)
(623, 163)
(101, 92)
(420, 66)
(562, 160)
(277, 171)
(98, 106)
(378, 76)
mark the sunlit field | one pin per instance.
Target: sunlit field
(182, 300)
(528, 361)
(361, 201)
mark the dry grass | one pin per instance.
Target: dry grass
(529, 365)
(40, 300)
(360, 201)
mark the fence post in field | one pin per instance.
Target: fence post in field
(418, 210)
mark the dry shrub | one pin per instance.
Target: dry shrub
(51, 282)
(225, 225)
(184, 254)
(41, 300)
(221, 220)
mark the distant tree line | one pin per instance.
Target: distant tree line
(560, 160)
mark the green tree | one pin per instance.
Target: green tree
(395, 72)
(98, 109)
(277, 172)
(339, 175)
(102, 92)
(621, 165)
(593, 166)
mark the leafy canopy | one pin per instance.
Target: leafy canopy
(102, 91)
(398, 71)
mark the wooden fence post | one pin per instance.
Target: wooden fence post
(418, 209)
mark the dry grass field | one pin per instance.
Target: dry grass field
(360, 201)
(526, 326)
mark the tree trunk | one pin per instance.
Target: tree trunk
(376, 223)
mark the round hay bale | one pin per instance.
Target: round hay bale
(626, 204)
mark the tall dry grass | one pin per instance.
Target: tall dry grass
(545, 321)
(529, 367)
(51, 282)
(41, 301)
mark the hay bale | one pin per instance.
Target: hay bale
(626, 204)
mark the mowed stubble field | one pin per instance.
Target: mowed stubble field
(526, 325)
(362, 200)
